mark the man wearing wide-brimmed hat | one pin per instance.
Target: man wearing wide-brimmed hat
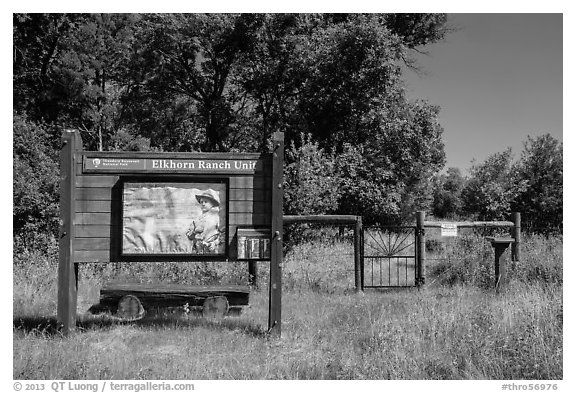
(204, 231)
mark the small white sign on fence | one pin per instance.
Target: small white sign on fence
(449, 230)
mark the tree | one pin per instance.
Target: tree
(493, 186)
(448, 189)
(337, 77)
(325, 74)
(190, 58)
(37, 43)
(311, 180)
(394, 166)
(93, 68)
(35, 184)
(334, 77)
(366, 188)
(269, 80)
(226, 82)
(540, 166)
(71, 68)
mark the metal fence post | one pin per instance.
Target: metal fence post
(420, 249)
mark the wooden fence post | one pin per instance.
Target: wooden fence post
(67, 269)
(358, 254)
(275, 300)
(362, 258)
(420, 249)
(516, 234)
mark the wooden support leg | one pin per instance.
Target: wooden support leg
(253, 274)
(500, 266)
(67, 296)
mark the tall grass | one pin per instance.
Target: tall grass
(469, 260)
(453, 329)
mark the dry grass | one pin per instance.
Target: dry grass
(457, 331)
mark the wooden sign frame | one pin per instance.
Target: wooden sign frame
(91, 206)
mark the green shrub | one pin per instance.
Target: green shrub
(435, 245)
(35, 186)
(311, 182)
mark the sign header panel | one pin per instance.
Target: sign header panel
(95, 164)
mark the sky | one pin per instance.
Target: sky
(497, 79)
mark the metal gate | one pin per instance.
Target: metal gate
(389, 256)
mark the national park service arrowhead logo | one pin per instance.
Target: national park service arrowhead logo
(96, 162)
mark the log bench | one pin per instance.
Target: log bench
(129, 301)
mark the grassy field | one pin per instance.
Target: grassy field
(454, 328)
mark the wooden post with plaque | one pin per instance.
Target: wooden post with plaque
(168, 207)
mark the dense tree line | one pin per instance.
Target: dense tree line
(218, 82)
(225, 82)
(496, 187)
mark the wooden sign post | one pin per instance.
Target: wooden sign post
(67, 268)
(275, 300)
(169, 207)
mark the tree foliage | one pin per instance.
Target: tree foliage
(226, 82)
(493, 186)
(447, 193)
(417, 30)
(35, 185)
(540, 167)
(190, 60)
(71, 69)
(311, 180)
(531, 185)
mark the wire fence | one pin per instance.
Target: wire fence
(467, 257)
(319, 257)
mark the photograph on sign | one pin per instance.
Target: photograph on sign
(167, 218)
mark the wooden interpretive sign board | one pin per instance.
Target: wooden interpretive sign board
(135, 213)
(164, 207)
